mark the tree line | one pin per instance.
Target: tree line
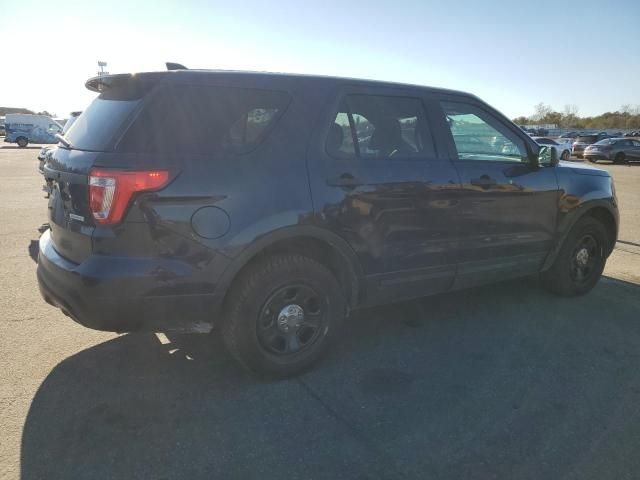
(626, 117)
(5, 110)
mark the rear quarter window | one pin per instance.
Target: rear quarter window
(98, 125)
(197, 119)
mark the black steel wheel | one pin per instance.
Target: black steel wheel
(282, 314)
(581, 260)
(22, 142)
(585, 258)
(291, 320)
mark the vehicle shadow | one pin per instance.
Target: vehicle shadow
(16, 147)
(33, 250)
(505, 381)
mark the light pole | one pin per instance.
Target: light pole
(102, 64)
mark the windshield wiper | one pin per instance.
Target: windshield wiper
(63, 140)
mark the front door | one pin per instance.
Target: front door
(380, 181)
(508, 203)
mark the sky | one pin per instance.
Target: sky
(512, 54)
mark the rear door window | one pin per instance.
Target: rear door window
(380, 127)
(200, 119)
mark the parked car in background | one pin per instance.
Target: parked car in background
(266, 215)
(2, 130)
(22, 128)
(618, 150)
(43, 151)
(582, 141)
(569, 135)
(564, 148)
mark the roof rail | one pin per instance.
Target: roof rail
(175, 66)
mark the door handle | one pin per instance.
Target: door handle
(344, 180)
(485, 181)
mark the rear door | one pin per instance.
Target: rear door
(380, 181)
(68, 168)
(631, 151)
(508, 204)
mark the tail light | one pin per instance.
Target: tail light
(110, 191)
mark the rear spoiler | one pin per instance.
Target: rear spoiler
(104, 82)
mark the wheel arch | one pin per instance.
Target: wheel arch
(601, 210)
(319, 244)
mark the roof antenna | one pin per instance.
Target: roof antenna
(175, 66)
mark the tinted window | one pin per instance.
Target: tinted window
(587, 138)
(202, 120)
(376, 126)
(96, 126)
(479, 136)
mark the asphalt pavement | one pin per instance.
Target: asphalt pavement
(501, 382)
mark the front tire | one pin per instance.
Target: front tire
(282, 314)
(22, 142)
(581, 260)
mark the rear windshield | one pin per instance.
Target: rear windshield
(96, 127)
(587, 138)
(606, 141)
(199, 119)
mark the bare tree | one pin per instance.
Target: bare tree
(569, 115)
(540, 111)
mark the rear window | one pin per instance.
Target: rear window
(587, 138)
(196, 119)
(97, 126)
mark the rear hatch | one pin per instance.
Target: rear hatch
(87, 143)
(586, 139)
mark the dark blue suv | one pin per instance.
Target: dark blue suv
(271, 205)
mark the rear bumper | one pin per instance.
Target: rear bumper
(125, 295)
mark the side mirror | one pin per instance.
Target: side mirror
(548, 156)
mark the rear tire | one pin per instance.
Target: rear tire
(282, 314)
(22, 142)
(566, 155)
(581, 260)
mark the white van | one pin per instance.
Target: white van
(22, 128)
